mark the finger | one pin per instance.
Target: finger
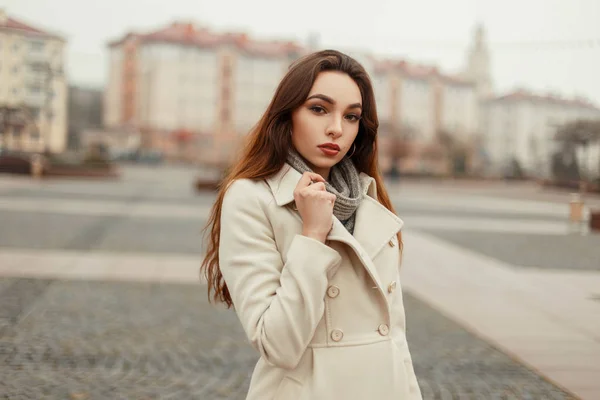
(306, 180)
(318, 186)
(314, 177)
(317, 178)
(328, 197)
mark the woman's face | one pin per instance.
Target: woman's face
(325, 126)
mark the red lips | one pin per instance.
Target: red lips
(331, 146)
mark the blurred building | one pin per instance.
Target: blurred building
(428, 117)
(32, 85)
(478, 64)
(417, 105)
(85, 112)
(116, 144)
(191, 92)
(519, 130)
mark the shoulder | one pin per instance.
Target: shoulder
(246, 205)
(244, 191)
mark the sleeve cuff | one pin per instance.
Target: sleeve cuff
(305, 251)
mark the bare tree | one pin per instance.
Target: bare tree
(579, 133)
(457, 153)
(400, 143)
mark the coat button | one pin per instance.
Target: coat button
(337, 335)
(383, 329)
(391, 243)
(392, 286)
(333, 291)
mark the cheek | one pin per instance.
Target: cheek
(305, 127)
(351, 132)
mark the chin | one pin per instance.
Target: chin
(325, 163)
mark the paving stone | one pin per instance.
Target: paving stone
(100, 340)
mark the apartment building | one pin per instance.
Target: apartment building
(33, 88)
(520, 127)
(191, 92)
(416, 103)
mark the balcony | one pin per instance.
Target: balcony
(35, 99)
(37, 57)
(34, 79)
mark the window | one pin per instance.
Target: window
(36, 45)
(37, 66)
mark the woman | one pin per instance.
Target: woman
(305, 245)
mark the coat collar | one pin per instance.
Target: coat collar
(284, 182)
(374, 226)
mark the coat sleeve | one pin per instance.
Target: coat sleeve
(278, 305)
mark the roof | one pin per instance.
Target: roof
(456, 80)
(524, 95)
(189, 34)
(15, 25)
(419, 71)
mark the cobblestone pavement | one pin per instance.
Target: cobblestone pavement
(96, 340)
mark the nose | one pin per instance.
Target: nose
(335, 127)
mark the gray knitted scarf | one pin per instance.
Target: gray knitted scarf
(344, 182)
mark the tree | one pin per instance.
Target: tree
(457, 153)
(578, 133)
(399, 144)
(13, 119)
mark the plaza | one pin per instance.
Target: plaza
(100, 294)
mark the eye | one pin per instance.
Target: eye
(317, 109)
(353, 117)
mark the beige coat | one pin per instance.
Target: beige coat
(327, 319)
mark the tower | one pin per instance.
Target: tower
(478, 63)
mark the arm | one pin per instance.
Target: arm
(278, 305)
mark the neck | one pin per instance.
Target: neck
(324, 172)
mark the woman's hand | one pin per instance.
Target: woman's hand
(315, 206)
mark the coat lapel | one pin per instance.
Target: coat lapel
(374, 226)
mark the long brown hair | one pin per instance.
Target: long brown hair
(268, 143)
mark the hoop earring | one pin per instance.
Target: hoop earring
(353, 150)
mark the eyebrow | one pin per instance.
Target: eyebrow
(331, 101)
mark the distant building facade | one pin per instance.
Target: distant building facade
(191, 92)
(33, 86)
(85, 112)
(416, 104)
(520, 127)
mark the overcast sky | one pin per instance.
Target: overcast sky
(544, 45)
